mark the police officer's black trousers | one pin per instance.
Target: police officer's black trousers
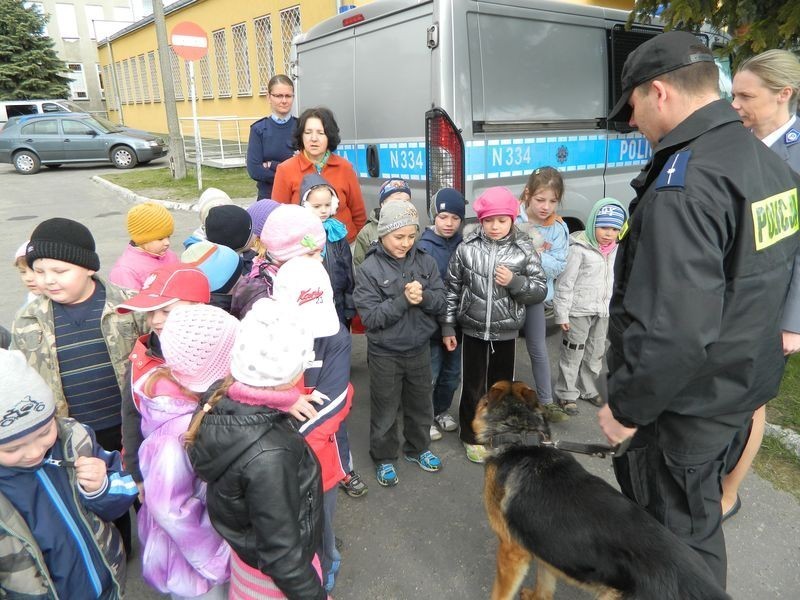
(683, 490)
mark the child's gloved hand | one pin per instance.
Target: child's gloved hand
(90, 472)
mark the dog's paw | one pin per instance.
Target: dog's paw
(527, 594)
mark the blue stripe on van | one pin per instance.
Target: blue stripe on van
(508, 157)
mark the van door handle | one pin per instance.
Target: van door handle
(373, 162)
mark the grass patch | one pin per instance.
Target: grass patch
(774, 462)
(159, 184)
(779, 466)
(784, 410)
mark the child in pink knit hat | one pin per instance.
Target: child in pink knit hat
(493, 274)
(264, 484)
(290, 231)
(186, 556)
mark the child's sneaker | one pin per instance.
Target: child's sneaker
(427, 461)
(436, 435)
(386, 475)
(446, 422)
(354, 485)
(555, 414)
(476, 452)
(595, 400)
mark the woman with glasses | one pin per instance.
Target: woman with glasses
(272, 138)
(317, 137)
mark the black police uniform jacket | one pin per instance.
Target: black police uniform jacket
(701, 277)
(264, 492)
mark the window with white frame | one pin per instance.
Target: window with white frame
(77, 83)
(241, 59)
(205, 77)
(67, 22)
(39, 8)
(144, 79)
(221, 64)
(175, 67)
(95, 13)
(100, 78)
(109, 93)
(137, 86)
(264, 54)
(151, 61)
(290, 27)
(127, 97)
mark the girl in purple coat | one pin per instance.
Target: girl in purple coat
(182, 554)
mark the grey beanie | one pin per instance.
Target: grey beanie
(395, 215)
(26, 401)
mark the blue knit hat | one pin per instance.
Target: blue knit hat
(392, 186)
(448, 200)
(610, 215)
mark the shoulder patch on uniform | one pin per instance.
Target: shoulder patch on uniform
(775, 218)
(673, 175)
(792, 136)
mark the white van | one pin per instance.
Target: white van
(473, 94)
(17, 108)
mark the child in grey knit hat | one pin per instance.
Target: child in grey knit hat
(399, 294)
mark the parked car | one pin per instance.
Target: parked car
(17, 108)
(54, 139)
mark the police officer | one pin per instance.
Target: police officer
(701, 275)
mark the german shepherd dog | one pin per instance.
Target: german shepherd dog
(544, 506)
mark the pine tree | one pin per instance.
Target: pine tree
(29, 66)
(754, 25)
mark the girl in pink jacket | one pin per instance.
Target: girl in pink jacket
(182, 554)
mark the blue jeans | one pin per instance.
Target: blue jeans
(446, 374)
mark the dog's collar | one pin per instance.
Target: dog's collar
(526, 438)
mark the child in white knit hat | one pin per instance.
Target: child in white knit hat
(173, 523)
(47, 462)
(264, 485)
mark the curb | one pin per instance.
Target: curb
(134, 198)
(788, 438)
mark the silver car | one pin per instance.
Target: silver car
(54, 139)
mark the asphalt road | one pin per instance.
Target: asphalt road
(428, 537)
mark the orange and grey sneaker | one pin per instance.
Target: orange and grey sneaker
(354, 485)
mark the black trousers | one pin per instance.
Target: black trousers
(399, 382)
(111, 439)
(484, 364)
(683, 489)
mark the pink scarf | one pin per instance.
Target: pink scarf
(281, 400)
(607, 249)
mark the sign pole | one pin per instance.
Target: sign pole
(198, 145)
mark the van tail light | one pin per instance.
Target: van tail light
(444, 154)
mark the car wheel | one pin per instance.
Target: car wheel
(53, 165)
(26, 162)
(123, 157)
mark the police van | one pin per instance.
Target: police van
(473, 94)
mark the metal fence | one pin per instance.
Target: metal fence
(223, 140)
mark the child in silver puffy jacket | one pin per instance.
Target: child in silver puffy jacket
(493, 274)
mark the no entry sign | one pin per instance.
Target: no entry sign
(189, 41)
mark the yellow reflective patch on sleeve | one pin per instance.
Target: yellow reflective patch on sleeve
(775, 218)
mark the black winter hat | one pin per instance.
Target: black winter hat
(229, 225)
(63, 239)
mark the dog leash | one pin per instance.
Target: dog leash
(529, 438)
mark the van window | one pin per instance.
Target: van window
(535, 70)
(51, 107)
(17, 110)
(40, 127)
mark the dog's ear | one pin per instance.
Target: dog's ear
(522, 390)
(499, 390)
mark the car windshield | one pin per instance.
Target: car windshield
(109, 125)
(71, 106)
(101, 127)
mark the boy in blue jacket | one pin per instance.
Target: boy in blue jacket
(440, 241)
(399, 295)
(59, 491)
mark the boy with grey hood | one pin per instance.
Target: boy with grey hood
(582, 296)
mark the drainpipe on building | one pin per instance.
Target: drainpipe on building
(115, 83)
